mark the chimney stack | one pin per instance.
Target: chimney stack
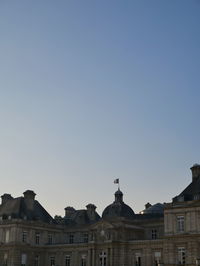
(91, 211)
(5, 197)
(195, 171)
(69, 211)
(29, 197)
(147, 205)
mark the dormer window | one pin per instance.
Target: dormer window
(180, 198)
(197, 197)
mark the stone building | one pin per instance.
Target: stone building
(162, 234)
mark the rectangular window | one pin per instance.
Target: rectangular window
(23, 259)
(157, 258)
(83, 260)
(180, 224)
(67, 260)
(85, 238)
(103, 258)
(24, 236)
(181, 255)
(138, 259)
(5, 259)
(37, 259)
(153, 234)
(7, 236)
(37, 238)
(71, 238)
(50, 239)
(52, 261)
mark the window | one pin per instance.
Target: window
(67, 260)
(83, 260)
(157, 258)
(71, 238)
(37, 258)
(102, 258)
(50, 239)
(180, 224)
(5, 259)
(52, 261)
(37, 238)
(92, 236)
(85, 238)
(181, 255)
(23, 259)
(7, 236)
(24, 236)
(153, 234)
(138, 259)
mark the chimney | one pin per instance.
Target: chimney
(5, 197)
(195, 171)
(69, 211)
(29, 197)
(147, 205)
(91, 211)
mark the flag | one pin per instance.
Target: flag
(116, 181)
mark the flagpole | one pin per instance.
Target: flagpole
(116, 181)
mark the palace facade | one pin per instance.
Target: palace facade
(163, 234)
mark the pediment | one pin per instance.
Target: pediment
(102, 224)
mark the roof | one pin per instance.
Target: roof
(118, 208)
(191, 192)
(18, 208)
(156, 208)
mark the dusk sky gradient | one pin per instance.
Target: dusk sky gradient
(95, 90)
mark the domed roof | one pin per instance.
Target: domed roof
(118, 208)
(156, 208)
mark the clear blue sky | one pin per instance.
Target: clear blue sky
(96, 90)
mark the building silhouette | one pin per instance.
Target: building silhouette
(162, 234)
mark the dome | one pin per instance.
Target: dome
(118, 208)
(156, 208)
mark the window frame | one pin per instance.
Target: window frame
(180, 220)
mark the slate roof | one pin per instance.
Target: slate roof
(191, 192)
(156, 208)
(18, 208)
(81, 217)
